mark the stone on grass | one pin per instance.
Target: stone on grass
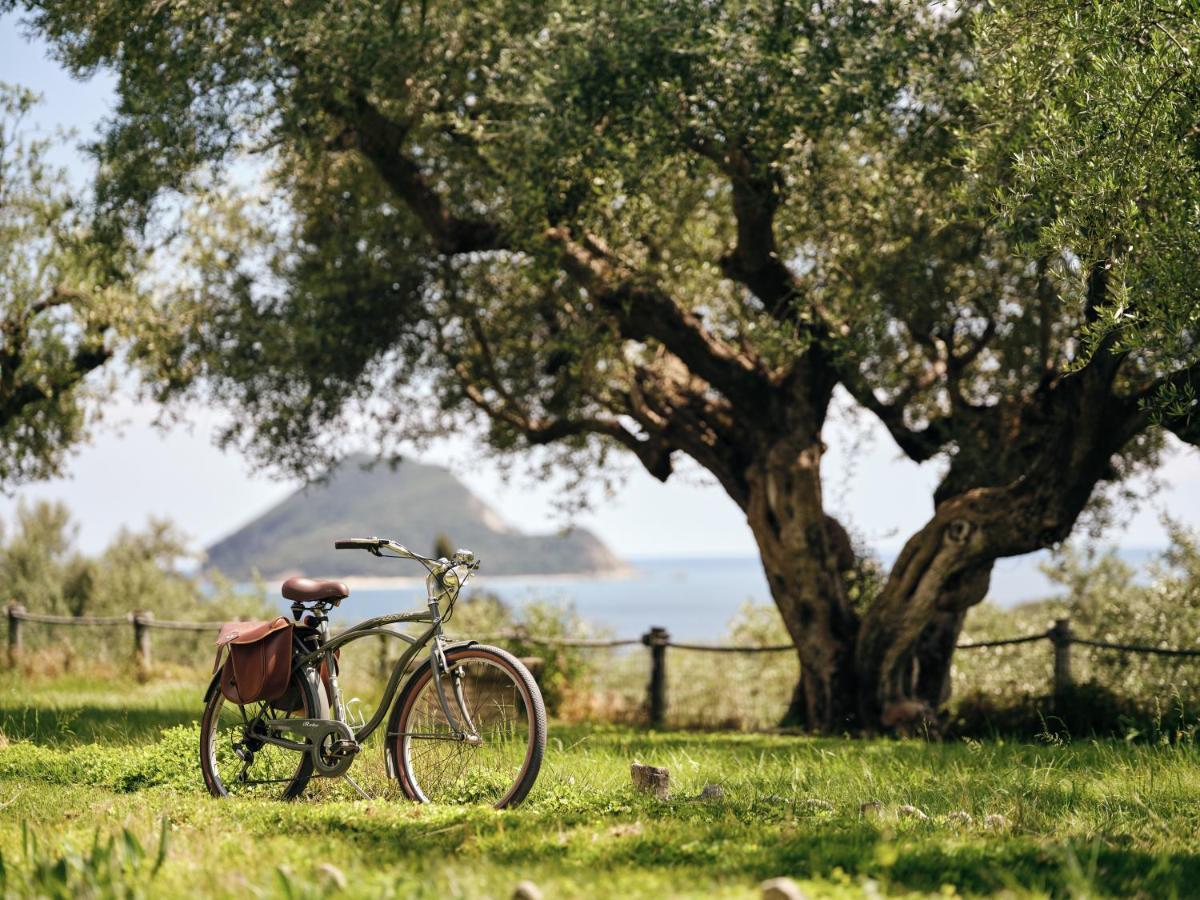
(651, 780)
(960, 817)
(712, 792)
(331, 876)
(870, 809)
(995, 820)
(908, 811)
(781, 889)
(526, 890)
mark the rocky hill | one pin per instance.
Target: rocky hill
(412, 503)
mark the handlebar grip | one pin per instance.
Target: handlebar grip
(356, 544)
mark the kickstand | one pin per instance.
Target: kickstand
(354, 785)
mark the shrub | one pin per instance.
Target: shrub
(1008, 689)
(563, 668)
(139, 569)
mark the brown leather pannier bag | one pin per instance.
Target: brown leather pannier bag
(259, 663)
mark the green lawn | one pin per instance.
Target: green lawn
(114, 760)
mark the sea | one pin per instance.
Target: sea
(693, 598)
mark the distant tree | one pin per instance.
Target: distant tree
(58, 305)
(43, 569)
(39, 566)
(663, 227)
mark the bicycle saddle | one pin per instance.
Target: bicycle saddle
(305, 590)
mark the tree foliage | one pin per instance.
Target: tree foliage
(1092, 112)
(45, 571)
(58, 304)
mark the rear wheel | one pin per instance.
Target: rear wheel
(235, 760)
(498, 763)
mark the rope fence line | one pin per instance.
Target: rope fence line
(657, 640)
(1137, 648)
(1005, 642)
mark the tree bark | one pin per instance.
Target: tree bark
(908, 634)
(804, 553)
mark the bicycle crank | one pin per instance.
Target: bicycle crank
(330, 744)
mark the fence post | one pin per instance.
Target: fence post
(1060, 635)
(141, 637)
(13, 611)
(656, 690)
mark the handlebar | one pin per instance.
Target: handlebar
(376, 544)
(358, 544)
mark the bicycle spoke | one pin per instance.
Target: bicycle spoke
(449, 769)
(239, 759)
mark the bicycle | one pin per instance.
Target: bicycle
(469, 724)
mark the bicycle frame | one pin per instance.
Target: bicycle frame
(461, 726)
(431, 637)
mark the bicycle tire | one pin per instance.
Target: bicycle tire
(215, 700)
(399, 749)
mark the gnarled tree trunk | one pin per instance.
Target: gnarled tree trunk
(804, 553)
(907, 636)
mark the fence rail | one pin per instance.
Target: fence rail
(657, 640)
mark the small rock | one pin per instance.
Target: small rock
(712, 792)
(527, 890)
(960, 817)
(911, 812)
(995, 820)
(781, 889)
(331, 876)
(870, 808)
(651, 780)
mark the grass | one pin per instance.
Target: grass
(96, 775)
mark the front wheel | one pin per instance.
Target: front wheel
(498, 761)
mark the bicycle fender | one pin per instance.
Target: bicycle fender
(213, 687)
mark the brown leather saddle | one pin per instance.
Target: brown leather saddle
(309, 590)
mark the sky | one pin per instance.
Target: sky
(133, 470)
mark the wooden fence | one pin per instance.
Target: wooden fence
(656, 640)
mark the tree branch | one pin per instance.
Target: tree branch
(17, 396)
(654, 454)
(644, 311)
(918, 444)
(381, 140)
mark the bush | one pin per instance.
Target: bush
(563, 669)
(1007, 689)
(139, 569)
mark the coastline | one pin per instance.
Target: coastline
(384, 582)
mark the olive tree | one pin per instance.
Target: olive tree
(57, 305)
(663, 228)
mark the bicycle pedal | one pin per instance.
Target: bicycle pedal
(344, 748)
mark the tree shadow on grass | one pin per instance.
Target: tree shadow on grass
(725, 850)
(87, 723)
